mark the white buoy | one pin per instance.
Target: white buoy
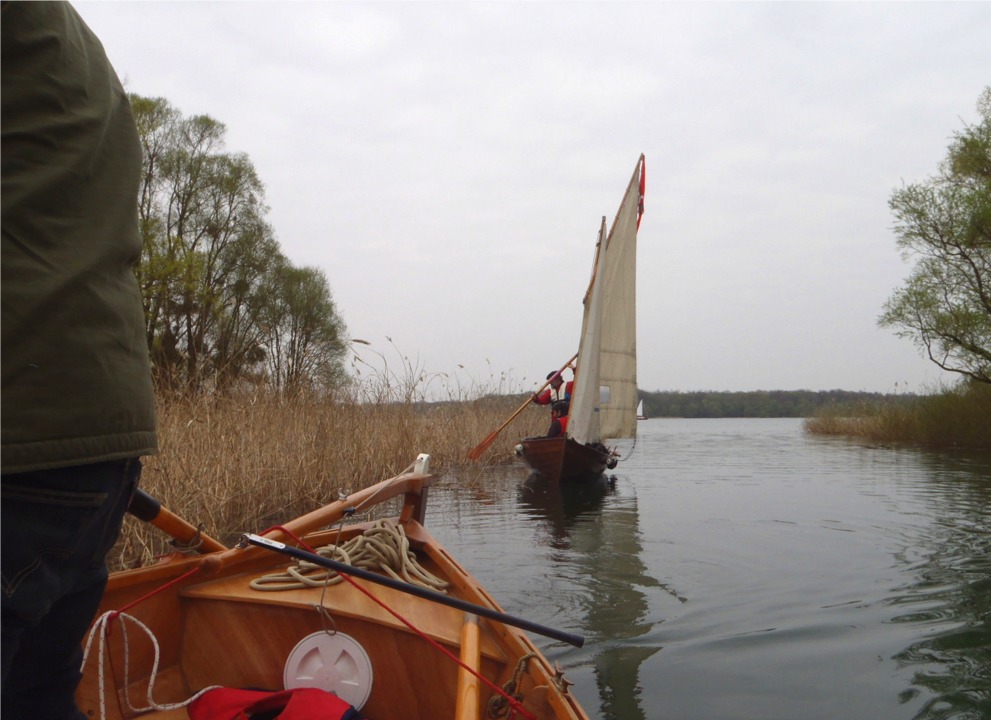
(336, 663)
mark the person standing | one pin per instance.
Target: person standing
(557, 392)
(77, 406)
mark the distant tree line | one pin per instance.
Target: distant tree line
(757, 404)
(223, 305)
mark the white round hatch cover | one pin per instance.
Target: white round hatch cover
(336, 663)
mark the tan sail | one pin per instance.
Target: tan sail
(605, 398)
(618, 334)
(583, 425)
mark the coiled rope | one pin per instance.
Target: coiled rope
(383, 547)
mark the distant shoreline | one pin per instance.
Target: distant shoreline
(956, 418)
(759, 403)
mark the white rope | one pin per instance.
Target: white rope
(383, 547)
(102, 627)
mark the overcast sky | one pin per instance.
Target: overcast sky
(446, 165)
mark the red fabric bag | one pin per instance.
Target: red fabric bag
(297, 704)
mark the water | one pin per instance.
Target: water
(735, 569)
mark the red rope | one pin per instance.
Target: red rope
(513, 702)
(116, 613)
(291, 534)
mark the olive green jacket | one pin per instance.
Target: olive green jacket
(76, 380)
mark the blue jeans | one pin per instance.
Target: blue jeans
(57, 528)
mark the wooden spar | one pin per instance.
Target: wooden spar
(144, 507)
(469, 703)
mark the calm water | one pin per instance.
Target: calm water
(735, 569)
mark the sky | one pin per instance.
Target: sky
(447, 166)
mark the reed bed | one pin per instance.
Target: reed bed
(247, 462)
(957, 417)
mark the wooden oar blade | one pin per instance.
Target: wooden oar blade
(476, 452)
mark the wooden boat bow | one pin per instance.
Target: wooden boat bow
(209, 627)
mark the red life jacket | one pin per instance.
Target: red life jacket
(297, 704)
(558, 426)
(551, 395)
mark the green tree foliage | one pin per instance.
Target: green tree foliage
(222, 303)
(303, 333)
(945, 225)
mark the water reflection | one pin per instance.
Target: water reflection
(559, 509)
(816, 578)
(949, 591)
(602, 548)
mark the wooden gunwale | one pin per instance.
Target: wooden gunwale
(412, 485)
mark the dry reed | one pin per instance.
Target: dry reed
(956, 417)
(245, 463)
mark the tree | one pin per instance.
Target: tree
(944, 223)
(303, 335)
(211, 273)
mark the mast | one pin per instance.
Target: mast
(583, 421)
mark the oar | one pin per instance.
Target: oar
(144, 507)
(480, 610)
(477, 451)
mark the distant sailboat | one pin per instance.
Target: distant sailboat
(641, 415)
(604, 398)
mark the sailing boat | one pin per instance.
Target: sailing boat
(641, 415)
(604, 397)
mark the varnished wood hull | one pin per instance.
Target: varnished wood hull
(214, 629)
(561, 459)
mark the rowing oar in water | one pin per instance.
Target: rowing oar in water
(144, 507)
(480, 610)
(477, 451)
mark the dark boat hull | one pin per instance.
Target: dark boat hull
(563, 459)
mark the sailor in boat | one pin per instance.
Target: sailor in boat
(559, 418)
(558, 391)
